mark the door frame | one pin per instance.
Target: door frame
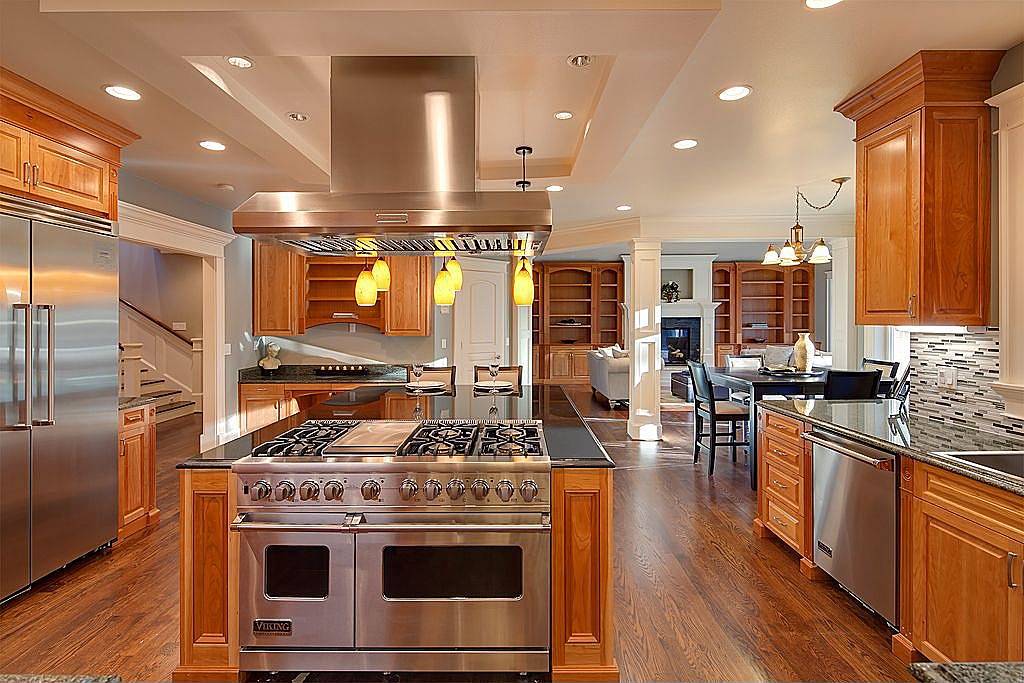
(144, 226)
(491, 266)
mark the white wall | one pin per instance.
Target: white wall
(168, 287)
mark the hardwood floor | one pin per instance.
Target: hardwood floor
(698, 596)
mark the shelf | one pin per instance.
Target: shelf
(571, 327)
(316, 278)
(759, 329)
(567, 301)
(332, 298)
(569, 284)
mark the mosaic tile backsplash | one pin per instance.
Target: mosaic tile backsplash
(973, 403)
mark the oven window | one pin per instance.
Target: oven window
(296, 571)
(452, 571)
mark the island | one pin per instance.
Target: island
(582, 641)
(959, 518)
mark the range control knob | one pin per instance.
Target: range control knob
(455, 489)
(370, 490)
(333, 490)
(480, 488)
(528, 490)
(505, 489)
(407, 490)
(431, 489)
(309, 490)
(285, 491)
(260, 490)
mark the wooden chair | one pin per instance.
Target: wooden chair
(851, 385)
(507, 373)
(442, 373)
(888, 368)
(707, 409)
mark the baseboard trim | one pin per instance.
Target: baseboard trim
(608, 672)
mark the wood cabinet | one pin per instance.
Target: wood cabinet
(260, 404)
(589, 294)
(760, 305)
(965, 574)
(208, 571)
(923, 191)
(136, 471)
(53, 151)
(582, 622)
(292, 293)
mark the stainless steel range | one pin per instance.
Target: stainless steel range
(396, 546)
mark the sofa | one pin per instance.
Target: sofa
(609, 374)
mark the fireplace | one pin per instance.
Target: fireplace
(680, 340)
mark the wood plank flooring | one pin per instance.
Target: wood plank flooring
(698, 596)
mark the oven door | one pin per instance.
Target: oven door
(295, 580)
(453, 581)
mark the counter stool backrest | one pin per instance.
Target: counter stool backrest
(852, 384)
(743, 362)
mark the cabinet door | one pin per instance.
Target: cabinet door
(64, 174)
(580, 370)
(964, 606)
(889, 224)
(133, 478)
(560, 365)
(14, 170)
(408, 311)
(277, 290)
(258, 411)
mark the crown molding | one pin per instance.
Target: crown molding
(139, 224)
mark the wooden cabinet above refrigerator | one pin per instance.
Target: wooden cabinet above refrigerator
(923, 190)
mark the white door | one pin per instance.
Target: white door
(480, 316)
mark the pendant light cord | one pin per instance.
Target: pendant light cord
(800, 195)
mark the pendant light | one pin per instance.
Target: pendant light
(444, 287)
(366, 287)
(793, 252)
(455, 269)
(522, 283)
(382, 274)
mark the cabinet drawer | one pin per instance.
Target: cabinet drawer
(988, 506)
(784, 452)
(781, 483)
(783, 522)
(783, 427)
(262, 390)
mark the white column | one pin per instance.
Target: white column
(215, 423)
(1010, 143)
(645, 340)
(845, 337)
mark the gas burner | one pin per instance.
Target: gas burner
(307, 440)
(510, 440)
(510, 448)
(510, 433)
(442, 438)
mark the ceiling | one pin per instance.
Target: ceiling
(658, 66)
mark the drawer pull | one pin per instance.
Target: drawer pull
(137, 417)
(780, 454)
(1010, 557)
(778, 520)
(778, 484)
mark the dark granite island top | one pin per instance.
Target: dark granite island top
(950, 447)
(307, 374)
(126, 402)
(969, 672)
(570, 441)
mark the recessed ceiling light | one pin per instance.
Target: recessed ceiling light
(563, 115)
(623, 207)
(122, 92)
(298, 116)
(821, 4)
(685, 144)
(554, 188)
(735, 92)
(580, 61)
(213, 145)
(227, 187)
(240, 62)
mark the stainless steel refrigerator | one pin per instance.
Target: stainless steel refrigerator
(58, 389)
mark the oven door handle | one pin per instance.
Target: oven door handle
(359, 525)
(240, 524)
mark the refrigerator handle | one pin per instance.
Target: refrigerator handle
(26, 422)
(50, 316)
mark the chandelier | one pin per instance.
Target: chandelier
(793, 251)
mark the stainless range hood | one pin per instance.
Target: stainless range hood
(403, 171)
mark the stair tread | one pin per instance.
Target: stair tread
(161, 393)
(173, 405)
(149, 382)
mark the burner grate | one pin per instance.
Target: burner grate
(306, 440)
(515, 439)
(442, 437)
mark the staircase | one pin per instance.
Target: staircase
(159, 363)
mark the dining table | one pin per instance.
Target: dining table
(758, 384)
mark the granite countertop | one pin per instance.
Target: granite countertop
(570, 441)
(125, 402)
(306, 374)
(880, 424)
(969, 672)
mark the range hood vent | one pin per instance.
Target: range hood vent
(403, 170)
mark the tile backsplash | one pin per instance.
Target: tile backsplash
(974, 403)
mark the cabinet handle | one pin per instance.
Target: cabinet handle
(910, 305)
(26, 173)
(35, 174)
(1010, 557)
(778, 484)
(778, 521)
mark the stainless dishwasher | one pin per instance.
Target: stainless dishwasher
(855, 493)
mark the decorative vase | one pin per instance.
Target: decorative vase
(803, 352)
